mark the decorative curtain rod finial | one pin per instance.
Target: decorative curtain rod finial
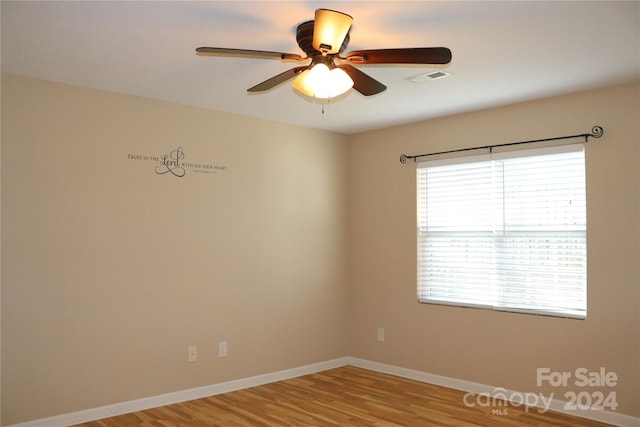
(597, 131)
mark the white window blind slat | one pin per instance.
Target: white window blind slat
(506, 232)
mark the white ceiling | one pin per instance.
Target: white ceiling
(503, 52)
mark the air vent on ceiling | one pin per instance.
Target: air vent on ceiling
(431, 75)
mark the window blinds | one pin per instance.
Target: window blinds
(504, 231)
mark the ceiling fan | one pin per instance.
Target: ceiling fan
(323, 40)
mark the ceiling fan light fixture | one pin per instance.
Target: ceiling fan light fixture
(323, 40)
(329, 30)
(321, 82)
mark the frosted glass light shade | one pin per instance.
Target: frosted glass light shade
(320, 82)
(329, 30)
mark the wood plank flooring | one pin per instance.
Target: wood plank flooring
(345, 396)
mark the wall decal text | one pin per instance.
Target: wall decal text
(174, 163)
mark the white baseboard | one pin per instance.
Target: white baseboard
(180, 396)
(556, 405)
(225, 387)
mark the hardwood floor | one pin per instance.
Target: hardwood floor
(346, 396)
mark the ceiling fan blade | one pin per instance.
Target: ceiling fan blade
(277, 80)
(247, 53)
(416, 55)
(362, 82)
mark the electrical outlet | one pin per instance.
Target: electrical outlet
(192, 353)
(222, 349)
(380, 334)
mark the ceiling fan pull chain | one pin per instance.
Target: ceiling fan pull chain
(323, 103)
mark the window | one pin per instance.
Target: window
(505, 231)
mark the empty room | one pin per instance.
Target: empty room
(306, 213)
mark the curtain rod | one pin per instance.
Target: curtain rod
(596, 132)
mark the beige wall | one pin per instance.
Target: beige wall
(294, 255)
(109, 270)
(500, 349)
